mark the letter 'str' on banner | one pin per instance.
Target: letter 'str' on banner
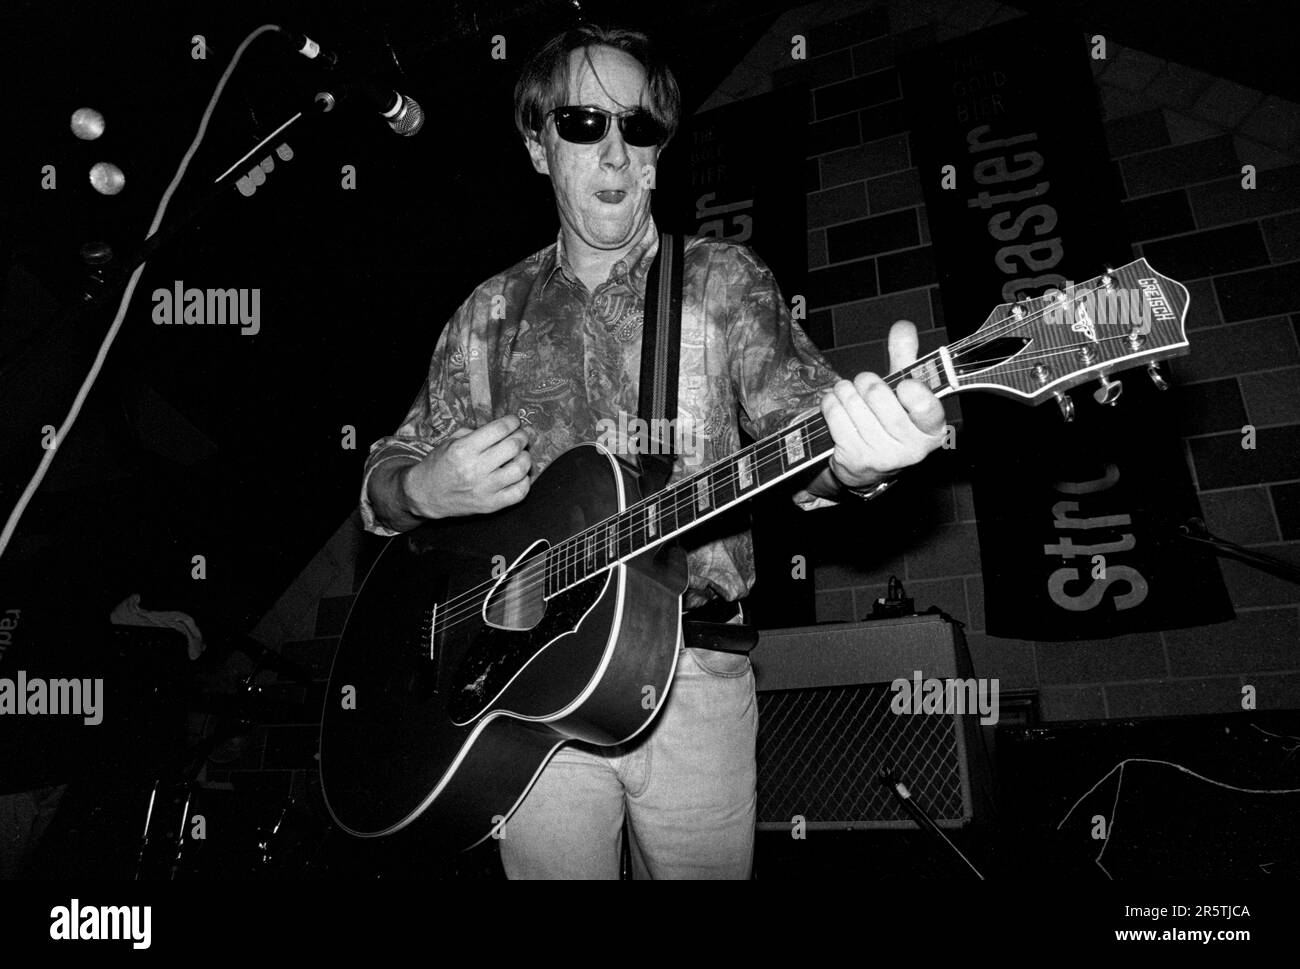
(1078, 521)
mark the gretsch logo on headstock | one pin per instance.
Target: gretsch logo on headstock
(1155, 299)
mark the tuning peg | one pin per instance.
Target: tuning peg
(1066, 403)
(1109, 391)
(1157, 378)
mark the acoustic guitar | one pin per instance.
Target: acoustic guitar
(477, 646)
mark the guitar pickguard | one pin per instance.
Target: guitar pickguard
(494, 656)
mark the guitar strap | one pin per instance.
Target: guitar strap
(661, 338)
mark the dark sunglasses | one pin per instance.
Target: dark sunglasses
(586, 126)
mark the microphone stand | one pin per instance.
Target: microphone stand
(108, 279)
(888, 778)
(1194, 531)
(321, 105)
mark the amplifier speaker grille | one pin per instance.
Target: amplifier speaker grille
(820, 751)
(826, 730)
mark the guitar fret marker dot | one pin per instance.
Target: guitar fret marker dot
(742, 471)
(794, 451)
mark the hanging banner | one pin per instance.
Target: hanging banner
(1078, 521)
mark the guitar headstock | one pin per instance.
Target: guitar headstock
(1041, 347)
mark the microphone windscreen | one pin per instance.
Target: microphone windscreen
(410, 119)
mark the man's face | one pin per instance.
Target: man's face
(602, 190)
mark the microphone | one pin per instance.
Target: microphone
(403, 114)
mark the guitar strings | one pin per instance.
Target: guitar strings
(573, 551)
(981, 337)
(583, 546)
(1043, 355)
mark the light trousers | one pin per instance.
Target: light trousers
(686, 784)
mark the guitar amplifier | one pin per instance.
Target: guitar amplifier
(827, 727)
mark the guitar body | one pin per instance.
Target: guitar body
(452, 686)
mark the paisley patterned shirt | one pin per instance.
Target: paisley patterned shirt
(533, 341)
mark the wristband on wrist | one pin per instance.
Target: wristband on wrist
(871, 491)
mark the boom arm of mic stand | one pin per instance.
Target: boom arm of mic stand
(116, 275)
(168, 231)
(1195, 531)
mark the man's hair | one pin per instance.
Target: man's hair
(544, 83)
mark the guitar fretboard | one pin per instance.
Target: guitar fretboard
(692, 499)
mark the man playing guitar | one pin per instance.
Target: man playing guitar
(541, 354)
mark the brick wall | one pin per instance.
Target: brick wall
(1179, 138)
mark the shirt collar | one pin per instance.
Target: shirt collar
(636, 263)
